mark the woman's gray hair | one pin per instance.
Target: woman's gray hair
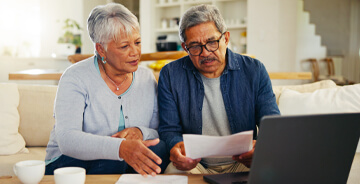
(106, 22)
(200, 14)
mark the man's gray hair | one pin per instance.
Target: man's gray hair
(106, 22)
(201, 14)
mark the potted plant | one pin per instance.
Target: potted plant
(72, 34)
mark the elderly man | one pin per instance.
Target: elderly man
(213, 91)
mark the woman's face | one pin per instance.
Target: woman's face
(123, 55)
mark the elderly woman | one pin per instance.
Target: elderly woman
(106, 106)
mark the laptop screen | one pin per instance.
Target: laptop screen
(304, 149)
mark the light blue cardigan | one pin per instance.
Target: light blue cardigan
(87, 113)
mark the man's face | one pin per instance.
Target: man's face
(210, 64)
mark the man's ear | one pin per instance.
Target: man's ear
(100, 49)
(183, 46)
(227, 37)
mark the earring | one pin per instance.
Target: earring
(103, 60)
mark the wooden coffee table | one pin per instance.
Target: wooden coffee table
(354, 177)
(103, 179)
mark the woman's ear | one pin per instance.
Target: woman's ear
(100, 49)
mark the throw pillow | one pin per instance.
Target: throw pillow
(11, 141)
(36, 112)
(304, 88)
(332, 100)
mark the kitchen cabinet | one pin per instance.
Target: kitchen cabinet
(167, 13)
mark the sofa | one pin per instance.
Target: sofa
(29, 124)
(27, 111)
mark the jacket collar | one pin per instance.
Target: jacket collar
(232, 62)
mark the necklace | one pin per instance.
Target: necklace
(117, 86)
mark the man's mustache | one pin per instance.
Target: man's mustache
(207, 59)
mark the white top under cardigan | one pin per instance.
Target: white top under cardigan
(87, 113)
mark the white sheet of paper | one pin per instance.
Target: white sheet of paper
(201, 146)
(138, 179)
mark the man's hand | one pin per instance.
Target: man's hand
(179, 159)
(139, 157)
(245, 158)
(130, 133)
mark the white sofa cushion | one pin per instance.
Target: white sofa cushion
(332, 100)
(36, 113)
(11, 141)
(304, 88)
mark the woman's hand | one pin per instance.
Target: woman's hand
(137, 154)
(130, 133)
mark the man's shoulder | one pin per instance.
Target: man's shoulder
(245, 60)
(245, 66)
(176, 71)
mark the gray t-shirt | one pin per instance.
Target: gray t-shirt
(214, 117)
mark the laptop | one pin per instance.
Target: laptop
(300, 149)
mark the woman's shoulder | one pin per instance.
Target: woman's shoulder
(80, 70)
(81, 66)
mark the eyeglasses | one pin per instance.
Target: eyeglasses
(210, 46)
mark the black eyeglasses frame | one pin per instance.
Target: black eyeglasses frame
(201, 46)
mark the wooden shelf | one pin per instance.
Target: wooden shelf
(291, 75)
(275, 75)
(36, 74)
